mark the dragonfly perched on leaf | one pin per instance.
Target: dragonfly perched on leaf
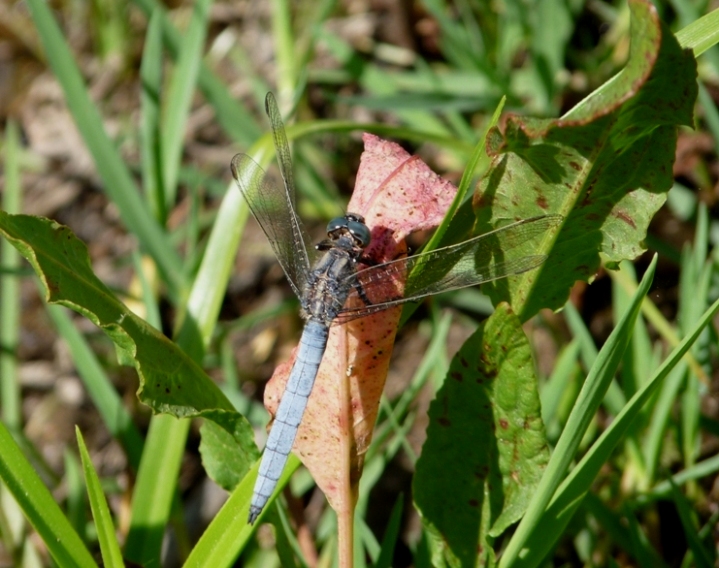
(343, 284)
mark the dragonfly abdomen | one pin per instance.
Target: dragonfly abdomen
(289, 414)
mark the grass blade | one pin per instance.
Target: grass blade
(151, 80)
(590, 397)
(179, 98)
(687, 516)
(111, 555)
(155, 488)
(701, 34)
(232, 117)
(229, 531)
(40, 507)
(10, 287)
(578, 482)
(116, 177)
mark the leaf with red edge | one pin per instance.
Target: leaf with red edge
(605, 166)
(397, 194)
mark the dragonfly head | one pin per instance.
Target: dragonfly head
(351, 224)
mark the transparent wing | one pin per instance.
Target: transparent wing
(273, 207)
(481, 259)
(282, 147)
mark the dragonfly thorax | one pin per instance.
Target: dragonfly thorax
(329, 283)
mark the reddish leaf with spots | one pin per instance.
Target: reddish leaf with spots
(397, 194)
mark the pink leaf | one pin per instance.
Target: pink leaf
(397, 194)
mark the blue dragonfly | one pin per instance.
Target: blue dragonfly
(325, 283)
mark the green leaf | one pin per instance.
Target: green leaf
(170, 382)
(111, 555)
(485, 448)
(605, 166)
(220, 459)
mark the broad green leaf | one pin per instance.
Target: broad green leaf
(605, 166)
(225, 465)
(170, 382)
(486, 447)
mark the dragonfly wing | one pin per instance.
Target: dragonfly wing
(477, 260)
(282, 146)
(284, 159)
(273, 209)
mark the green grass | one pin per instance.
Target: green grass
(577, 464)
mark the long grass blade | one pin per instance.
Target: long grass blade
(117, 180)
(40, 507)
(590, 397)
(179, 99)
(10, 287)
(110, 548)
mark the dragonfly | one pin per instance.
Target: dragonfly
(324, 283)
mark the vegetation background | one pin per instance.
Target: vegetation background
(428, 73)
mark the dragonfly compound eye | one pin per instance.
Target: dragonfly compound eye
(336, 224)
(360, 232)
(352, 223)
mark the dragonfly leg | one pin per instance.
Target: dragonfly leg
(361, 293)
